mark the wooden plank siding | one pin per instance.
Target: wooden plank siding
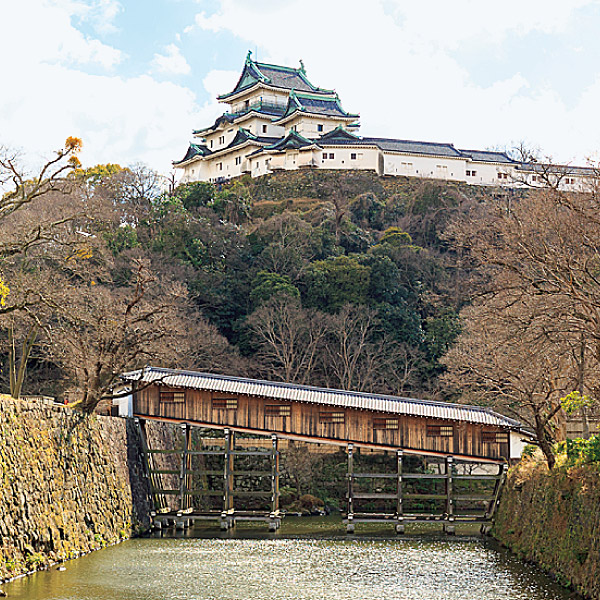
(324, 421)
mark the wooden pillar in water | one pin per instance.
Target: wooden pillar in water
(449, 527)
(399, 507)
(274, 516)
(184, 473)
(228, 479)
(350, 525)
(493, 505)
(156, 500)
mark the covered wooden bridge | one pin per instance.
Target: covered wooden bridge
(463, 445)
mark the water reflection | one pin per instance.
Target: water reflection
(293, 564)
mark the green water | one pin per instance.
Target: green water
(305, 560)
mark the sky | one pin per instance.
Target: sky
(132, 78)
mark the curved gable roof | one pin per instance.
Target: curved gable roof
(287, 78)
(193, 151)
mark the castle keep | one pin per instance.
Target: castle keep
(279, 120)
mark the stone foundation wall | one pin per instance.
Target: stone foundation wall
(553, 520)
(69, 484)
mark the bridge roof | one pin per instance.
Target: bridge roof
(323, 396)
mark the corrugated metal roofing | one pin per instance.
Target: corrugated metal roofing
(304, 393)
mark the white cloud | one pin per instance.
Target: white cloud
(49, 36)
(173, 62)
(48, 95)
(394, 61)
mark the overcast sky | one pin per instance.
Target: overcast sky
(132, 78)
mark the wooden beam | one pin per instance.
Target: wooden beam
(330, 441)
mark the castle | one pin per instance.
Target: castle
(279, 120)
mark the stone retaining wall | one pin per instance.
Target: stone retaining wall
(553, 520)
(69, 484)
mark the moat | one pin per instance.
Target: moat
(307, 559)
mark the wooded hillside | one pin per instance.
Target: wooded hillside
(347, 280)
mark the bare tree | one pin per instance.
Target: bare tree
(289, 338)
(357, 357)
(290, 246)
(101, 332)
(511, 356)
(534, 334)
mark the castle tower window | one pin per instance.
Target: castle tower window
(352, 155)
(264, 129)
(331, 155)
(319, 127)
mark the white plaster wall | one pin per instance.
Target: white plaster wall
(308, 126)
(197, 170)
(518, 441)
(366, 158)
(255, 125)
(429, 167)
(486, 173)
(274, 97)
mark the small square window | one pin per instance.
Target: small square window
(264, 129)
(172, 396)
(324, 155)
(353, 156)
(278, 410)
(386, 423)
(319, 127)
(440, 430)
(494, 437)
(332, 417)
(331, 155)
(225, 403)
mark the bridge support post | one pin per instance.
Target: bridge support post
(184, 474)
(350, 524)
(449, 526)
(502, 473)
(274, 521)
(226, 520)
(157, 502)
(399, 507)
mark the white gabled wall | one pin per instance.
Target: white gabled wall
(308, 125)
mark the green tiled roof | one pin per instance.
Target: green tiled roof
(193, 151)
(274, 75)
(315, 105)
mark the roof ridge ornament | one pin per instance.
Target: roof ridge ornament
(249, 57)
(302, 69)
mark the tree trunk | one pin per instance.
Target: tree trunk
(17, 376)
(544, 442)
